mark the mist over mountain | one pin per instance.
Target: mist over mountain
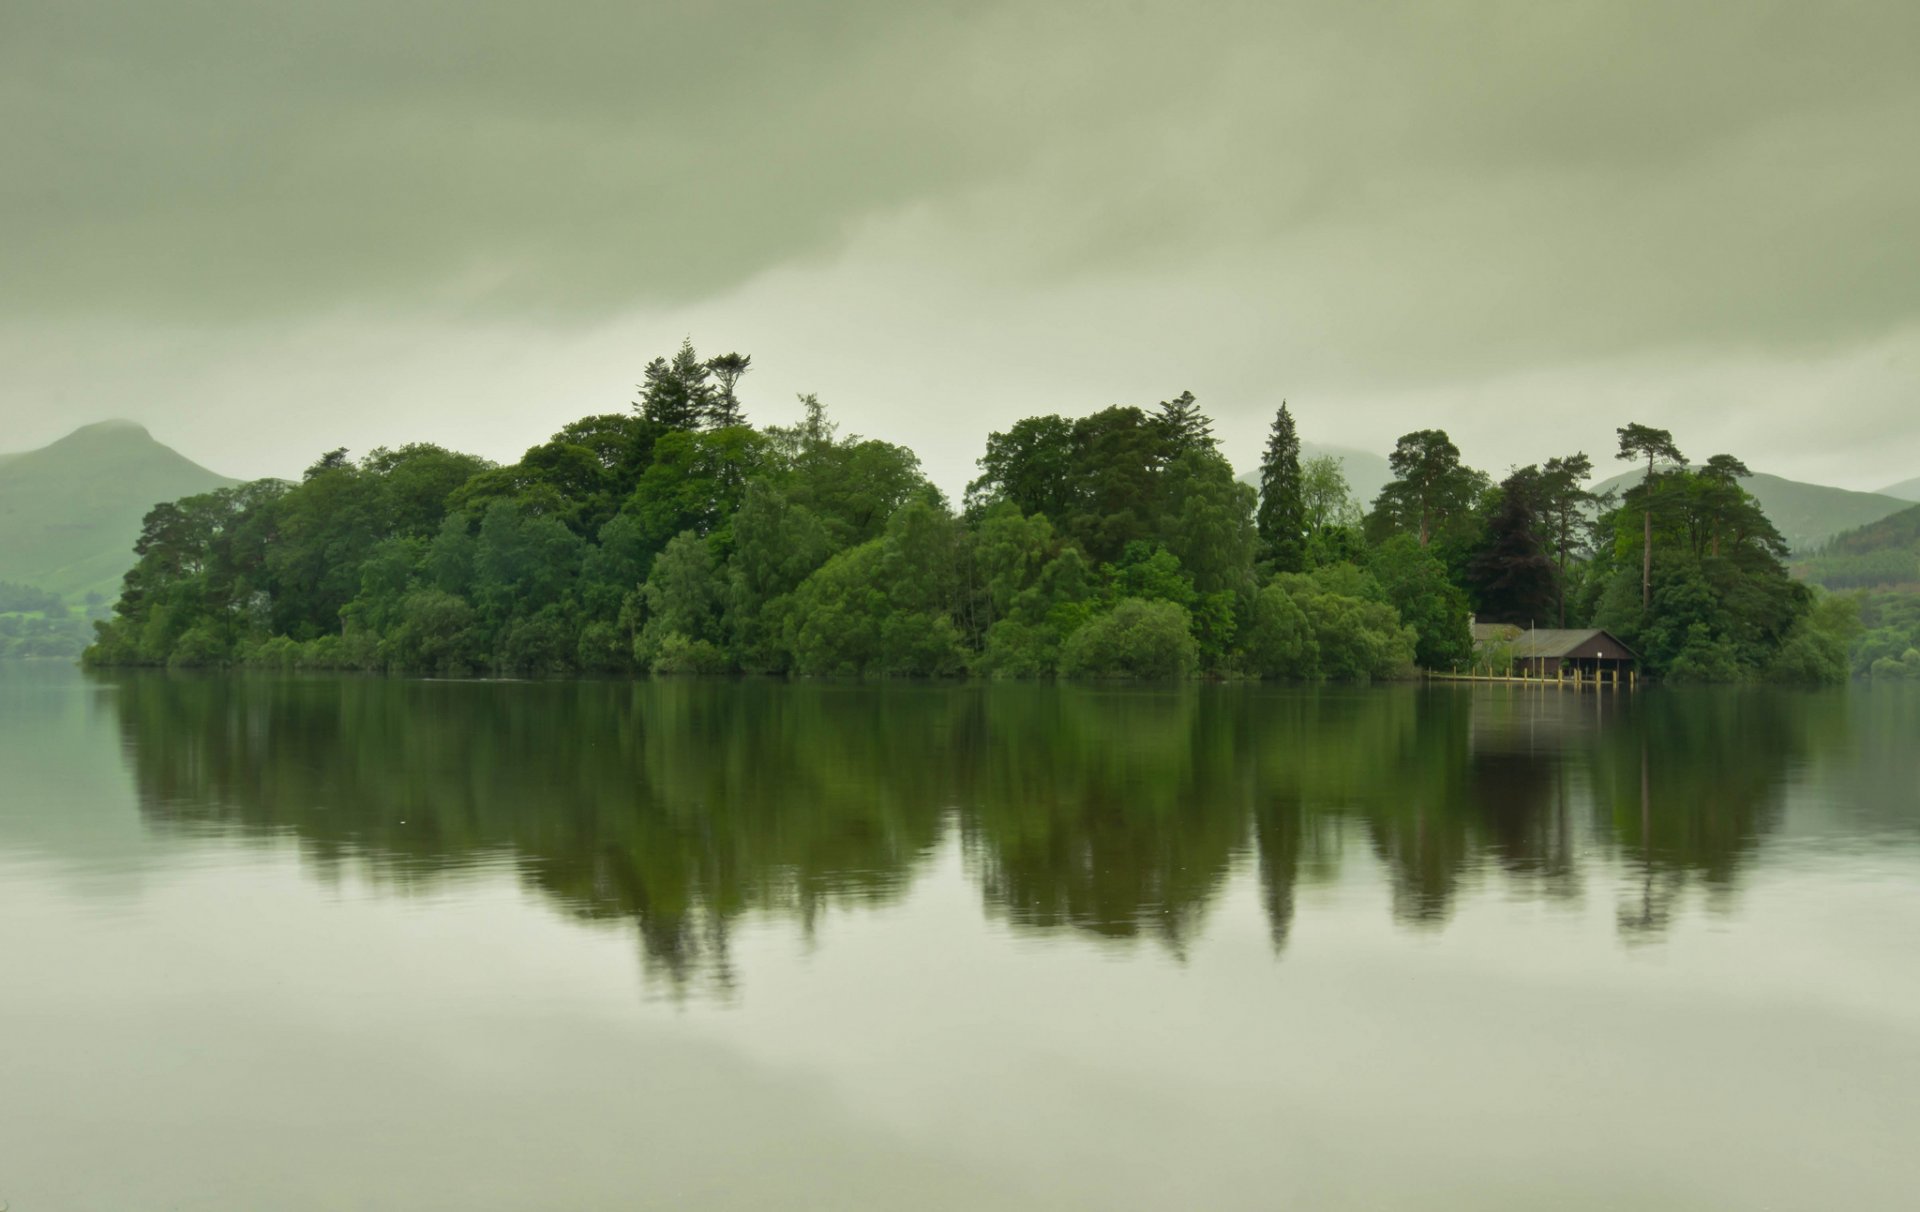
(71, 511)
(1906, 490)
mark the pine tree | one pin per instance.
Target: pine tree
(1282, 517)
(724, 408)
(677, 394)
(1645, 442)
(1184, 426)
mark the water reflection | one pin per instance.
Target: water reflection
(680, 806)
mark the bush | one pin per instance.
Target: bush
(1136, 639)
(603, 649)
(1705, 658)
(1359, 640)
(278, 652)
(543, 643)
(198, 647)
(1278, 641)
(678, 655)
(1907, 667)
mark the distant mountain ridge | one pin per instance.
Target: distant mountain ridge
(1807, 515)
(71, 511)
(1906, 490)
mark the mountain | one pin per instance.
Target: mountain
(1906, 490)
(1807, 514)
(70, 512)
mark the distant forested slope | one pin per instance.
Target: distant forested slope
(1883, 554)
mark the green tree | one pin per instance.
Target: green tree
(1431, 488)
(1563, 507)
(1283, 506)
(1030, 466)
(777, 544)
(1184, 428)
(1208, 522)
(684, 596)
(723, 405)
(677, 393)
(1416, 585)
(1645, 442)
(1512, 578)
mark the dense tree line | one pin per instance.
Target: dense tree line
(677, 538)
(37, 625)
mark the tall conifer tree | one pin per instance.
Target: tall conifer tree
(1282, 518)
(677, 394)
(1186, 428)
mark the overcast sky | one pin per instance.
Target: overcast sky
(266, 230)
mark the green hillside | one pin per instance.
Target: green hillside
(70, 512)
(1884, 554)
(1906, 490)
(1807, 515)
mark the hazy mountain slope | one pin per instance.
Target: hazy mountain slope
(1807, 514)
(1906, 490)
(70, 512)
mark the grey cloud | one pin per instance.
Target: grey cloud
(1381, 207)
(1746, 158)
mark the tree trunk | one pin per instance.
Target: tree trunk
(1646, 561)
(1646, 542)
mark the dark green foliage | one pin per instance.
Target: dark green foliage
(1185, 429)
(1415, 583)
(1208, 522)
(1283, 509)
(1889, 625)
(677, 393)
(1815, 652)
(723, 409)
(1356, 636)
(1644, 442)
(1510, 575)
(1718, 603)
(1432, 491)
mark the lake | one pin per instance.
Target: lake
(340, 943)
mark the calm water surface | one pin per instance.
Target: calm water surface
(340, 943)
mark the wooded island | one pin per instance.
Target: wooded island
(677, 538)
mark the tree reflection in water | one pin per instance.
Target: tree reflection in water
(682, 805)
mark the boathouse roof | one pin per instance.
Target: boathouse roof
(1550, 642)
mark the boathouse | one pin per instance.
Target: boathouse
(1546, 652)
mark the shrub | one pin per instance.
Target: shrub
(1136, 639)
(198, 647)
(678, 655)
